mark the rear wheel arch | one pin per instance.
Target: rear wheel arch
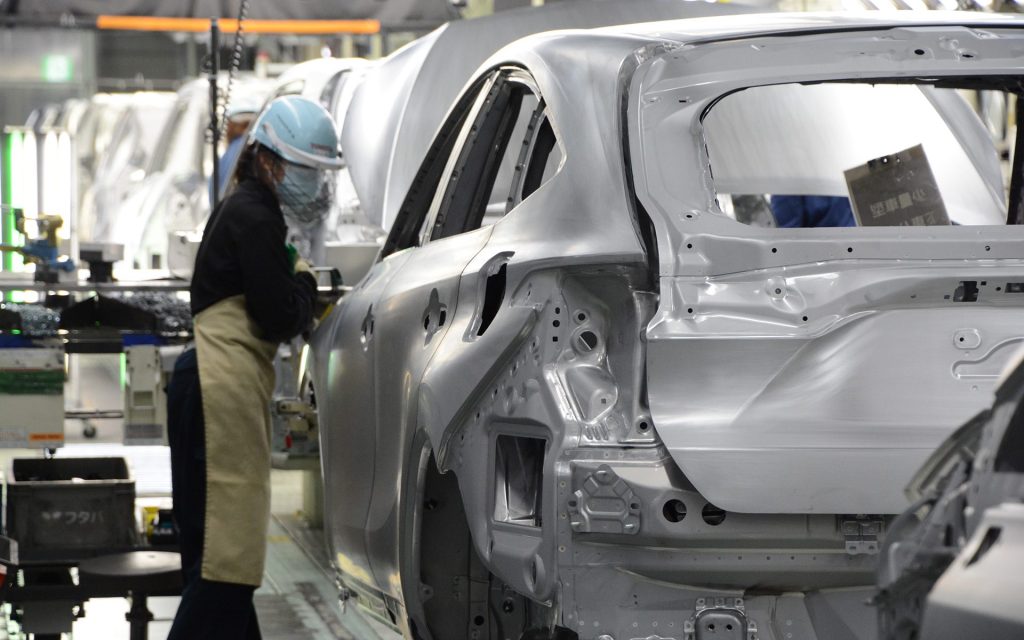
(449, 592)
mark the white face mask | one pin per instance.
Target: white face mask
(305, 193)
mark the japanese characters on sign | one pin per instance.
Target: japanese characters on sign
(896, 190)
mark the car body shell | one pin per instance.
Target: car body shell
(174, 195)
(643, 401)
(124, 162)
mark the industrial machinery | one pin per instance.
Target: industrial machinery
(42, 248)
(65, 516)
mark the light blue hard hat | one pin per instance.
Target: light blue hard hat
(242, 106)
(300, 131)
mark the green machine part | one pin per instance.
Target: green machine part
(8, 142)
(6, 186)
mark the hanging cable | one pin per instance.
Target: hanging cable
(236, 62)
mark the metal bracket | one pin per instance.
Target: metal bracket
(861, 534)
(344, 594)
(300, 416)
(719, 618)
(605, 504)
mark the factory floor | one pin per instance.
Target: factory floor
(298, 599)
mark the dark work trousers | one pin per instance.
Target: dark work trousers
(208, 610)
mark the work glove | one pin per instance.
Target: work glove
(320, 307)
(301, 266)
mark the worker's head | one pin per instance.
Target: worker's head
(296, 149)
(238, 116)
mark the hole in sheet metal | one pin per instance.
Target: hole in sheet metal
(674, 510)
(588, 340)
(494, 294)
(966, 291)
(518, 471)
(712, 515)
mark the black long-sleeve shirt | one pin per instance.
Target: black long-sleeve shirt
(243, 252)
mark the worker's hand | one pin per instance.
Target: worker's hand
(301, 266)
(293, 255)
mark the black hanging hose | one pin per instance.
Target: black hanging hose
(214, 123)
(236, 62)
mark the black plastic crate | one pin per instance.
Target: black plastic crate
(70, 508)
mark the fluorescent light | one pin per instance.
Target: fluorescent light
(29, 199)
(64, 186)
(49, 196)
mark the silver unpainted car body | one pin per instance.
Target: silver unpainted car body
(124, 163)
(174, 195)
(92, 134)
(400, 105)
(618, 413)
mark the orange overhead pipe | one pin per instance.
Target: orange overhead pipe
(199, 25)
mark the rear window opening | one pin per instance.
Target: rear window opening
(865, 154)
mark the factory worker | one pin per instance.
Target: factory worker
(239, 116)
(249, 293)
(812, 211)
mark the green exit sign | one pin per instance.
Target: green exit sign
(58, 68)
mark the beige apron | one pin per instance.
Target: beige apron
(236, 375)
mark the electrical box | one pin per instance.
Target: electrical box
(145, 403)
(32, 397)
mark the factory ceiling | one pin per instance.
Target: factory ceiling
(388, 12)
